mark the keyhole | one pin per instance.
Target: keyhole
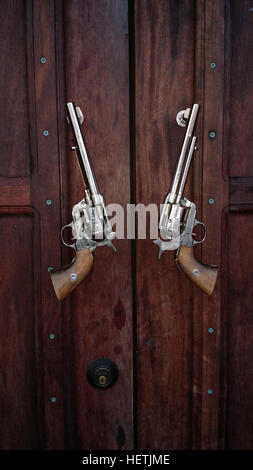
(102, 379)
(102, 373)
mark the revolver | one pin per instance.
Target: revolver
(178, 215)
(90, 224)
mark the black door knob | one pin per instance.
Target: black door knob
(102, 373)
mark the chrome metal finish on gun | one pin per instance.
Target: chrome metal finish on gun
(178, 217)
(90, 224)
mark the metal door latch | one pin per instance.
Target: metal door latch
(102, 373)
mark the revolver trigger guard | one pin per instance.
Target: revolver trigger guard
(197, 222)
(62, 239)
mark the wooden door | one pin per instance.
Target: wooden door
(184, 359)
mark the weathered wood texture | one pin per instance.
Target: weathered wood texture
(14, 91)
(239, 330)
(237, 251)
(30, 184)
(97, 317)
(214, 189)
(224, 29)
(131, 66)
(189, 263)
(62, 278)
(20, 331)
(46, 197)
(164, 84)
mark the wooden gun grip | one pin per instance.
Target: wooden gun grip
(66, 279)
(203, 275)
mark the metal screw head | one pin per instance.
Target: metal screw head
(210, 330)
(43, 60)
(48, 203)
(212, 134)
(53, 399)
(196, 272)
(211, 200)
(45, 133)
(212, 65)
(52, 336)
(73, 276)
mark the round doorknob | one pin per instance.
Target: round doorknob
(102, 373)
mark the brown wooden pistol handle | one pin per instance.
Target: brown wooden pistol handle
(203, 275)
(67, 279)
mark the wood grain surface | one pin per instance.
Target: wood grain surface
(98, 316)
(67, 278)
(20, 326)
(204, 276)
(164, 84)
(184, 359)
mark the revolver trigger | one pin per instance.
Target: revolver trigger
(158, 243)
(109, 243)
(160, 253)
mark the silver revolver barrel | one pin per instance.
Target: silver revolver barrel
(83, 159)
(174, 191)
(178, 214)
(90, 225)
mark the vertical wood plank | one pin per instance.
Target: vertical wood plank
(238, 432)
(197, 198)
(239, 24)
(33, 167)
(97, 316)
(236, 426)
(20, 326)
(46, 198)
(164, 84)
(214, 199)
(14, 119)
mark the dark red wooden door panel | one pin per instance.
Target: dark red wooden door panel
(164, 47)
(14, 95)
(239, 330)
(237, 254)
(98, 316)
(184, 359)
(20, 331)
(30, 200)
(239, 33)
